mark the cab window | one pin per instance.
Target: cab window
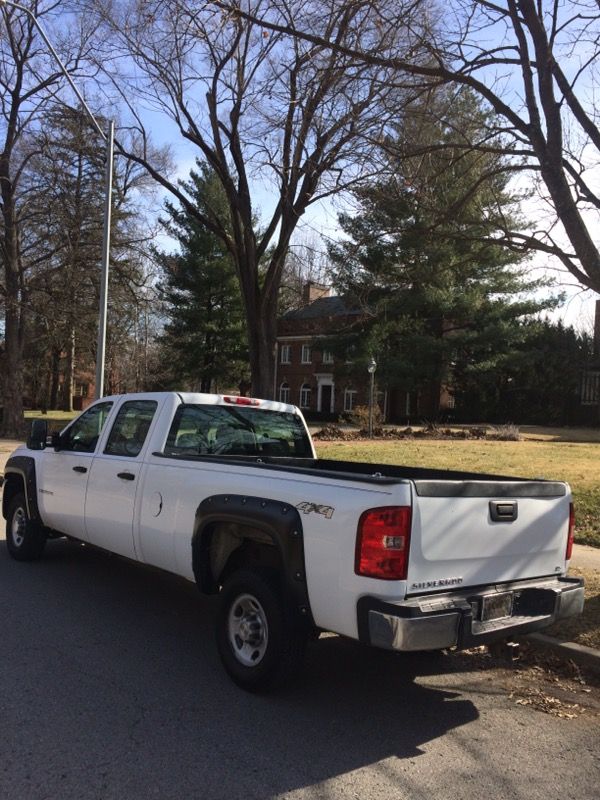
(82, 436)
(130, 429)
(241, 431)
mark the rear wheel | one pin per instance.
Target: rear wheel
(25, 539)
(260, 644)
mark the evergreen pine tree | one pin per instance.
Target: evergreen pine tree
(204, 338)
(441, 296)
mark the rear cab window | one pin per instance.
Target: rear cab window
(130, 428)
(205, 430)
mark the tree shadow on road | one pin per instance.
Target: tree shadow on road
(112, 687)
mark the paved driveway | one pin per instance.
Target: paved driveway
(111, 688)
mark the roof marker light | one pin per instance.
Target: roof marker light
(241, 401)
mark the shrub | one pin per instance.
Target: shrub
(506, 433)
(359, 416)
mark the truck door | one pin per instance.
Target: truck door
(64, 474)
(114, 479)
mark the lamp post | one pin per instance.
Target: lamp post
(372, 366)
(109, 140)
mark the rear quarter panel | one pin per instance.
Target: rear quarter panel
(329, 543)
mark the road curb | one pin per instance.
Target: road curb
(584, 656)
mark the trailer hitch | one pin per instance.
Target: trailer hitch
(506, 650)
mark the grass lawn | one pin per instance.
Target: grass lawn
(52, 416)
(546, 454)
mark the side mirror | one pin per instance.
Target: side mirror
(55, 441)
(38, 435)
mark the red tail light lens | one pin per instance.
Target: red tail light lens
(571, 534)
(242, 401)
(382, 543)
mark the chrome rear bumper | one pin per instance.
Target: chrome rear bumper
(453, 619)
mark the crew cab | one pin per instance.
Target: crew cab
(228, 492)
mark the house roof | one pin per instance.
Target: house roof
(323, 307)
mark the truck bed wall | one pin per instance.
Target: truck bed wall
(357, 470)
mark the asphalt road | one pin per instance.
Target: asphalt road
(111, 688)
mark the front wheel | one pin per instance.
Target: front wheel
(261, 646)
(25, 539)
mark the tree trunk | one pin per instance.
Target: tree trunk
(262, 335)
(54, 378)
(12, 419)
(68, 385)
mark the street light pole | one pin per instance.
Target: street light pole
(103, 312)
(371, 370)
(109, 140)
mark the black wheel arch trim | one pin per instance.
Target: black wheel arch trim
(280, 521)
(24, 467)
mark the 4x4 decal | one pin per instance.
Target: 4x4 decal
(308, 508)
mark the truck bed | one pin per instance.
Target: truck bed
(428, 482)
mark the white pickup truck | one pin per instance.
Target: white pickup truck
(228, 492)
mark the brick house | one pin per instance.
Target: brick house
(304, 371)
(84, 389)
(307, 375)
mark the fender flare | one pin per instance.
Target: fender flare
(24, 468)
(280, 521)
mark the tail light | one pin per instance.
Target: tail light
(382, 543)
(571, 534)
(241, 401)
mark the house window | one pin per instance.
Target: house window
(81, 390)
(306, 354)
(305, 396)
(286, 354)
(327, 357)
(590, 389)
(349, 399)
(284, 392)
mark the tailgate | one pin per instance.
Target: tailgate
(469, 533)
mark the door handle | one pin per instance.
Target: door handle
(126, 476)
(79, 469)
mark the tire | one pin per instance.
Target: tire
(25, 539)
(261, 646)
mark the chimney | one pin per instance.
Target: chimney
(313, 291)
(597, 330)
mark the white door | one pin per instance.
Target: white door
(114, 479)
(64, 474)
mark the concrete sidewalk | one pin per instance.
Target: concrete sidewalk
(6, 448)
(586, 557)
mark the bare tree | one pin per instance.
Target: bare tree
(29, 83)
(306, 261)
(61, 236)
(265, 112)
(535, 65)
